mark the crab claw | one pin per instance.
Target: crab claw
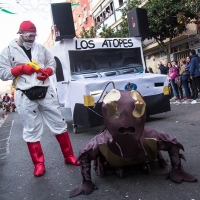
(179, 175)
(85, 188)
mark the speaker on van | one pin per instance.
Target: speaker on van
(138, 23)
(63, 21)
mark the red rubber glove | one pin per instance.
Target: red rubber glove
(22, 69)
(48, 71)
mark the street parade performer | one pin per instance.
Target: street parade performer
(126, 141)
(34, 97)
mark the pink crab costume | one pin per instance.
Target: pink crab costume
(124, 114)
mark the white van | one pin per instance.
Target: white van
(85, 66)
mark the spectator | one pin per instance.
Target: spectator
(150, 70)
(106, 14)
(168, 66)
(194, 73)
(190, 80)
(98, 23)
(34, 97)
(162, 69)
(1, 103)
(170, 86)
(173, 74)
(110, 12)
(6, 102)
(178, 79)
(13, 102)
(101, 18)
(184, 73)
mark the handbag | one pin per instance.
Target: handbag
(176, 80)
(36, 92)
(173, 75)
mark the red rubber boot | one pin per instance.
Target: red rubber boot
(66, 148)
(37, 156)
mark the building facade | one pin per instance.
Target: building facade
(82, 18)
(90, 13)
(105, 12)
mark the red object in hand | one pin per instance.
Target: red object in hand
(22, 69)
(49, 71)
(45, 74)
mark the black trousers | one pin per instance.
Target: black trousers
(195, 85)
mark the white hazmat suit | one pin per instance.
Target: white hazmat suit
(15, 65)
(32, 112)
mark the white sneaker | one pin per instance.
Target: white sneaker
(194, 102)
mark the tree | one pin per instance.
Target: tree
(107, 32)
(91, 33)
(167, 19)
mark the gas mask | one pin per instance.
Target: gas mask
(27, 45)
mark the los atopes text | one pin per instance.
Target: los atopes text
(107, 43)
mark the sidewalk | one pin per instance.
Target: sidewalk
(173, 101)
(5, 132)
(3, 116)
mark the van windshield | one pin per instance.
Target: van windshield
(98, 60)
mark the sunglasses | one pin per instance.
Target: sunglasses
(29, 35)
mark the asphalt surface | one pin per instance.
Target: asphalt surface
(16, 169)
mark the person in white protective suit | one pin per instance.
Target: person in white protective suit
(34, 97)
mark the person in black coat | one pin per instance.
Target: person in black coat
(162, 69)
(193, 68)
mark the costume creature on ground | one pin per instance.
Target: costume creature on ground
(124, 115)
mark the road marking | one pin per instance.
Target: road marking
(7, 149)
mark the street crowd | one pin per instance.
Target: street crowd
(183, 76)
(7, 103)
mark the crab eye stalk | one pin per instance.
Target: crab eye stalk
(112, 110)
(140, 105)
(111, 102)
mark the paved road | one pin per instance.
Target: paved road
(18, 183)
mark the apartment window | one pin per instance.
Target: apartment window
(184, 46)
(174, 49)
(156, 55)
(104, 14)
(163, 53)
(111, 8)
(97, 21)
(121, 2)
